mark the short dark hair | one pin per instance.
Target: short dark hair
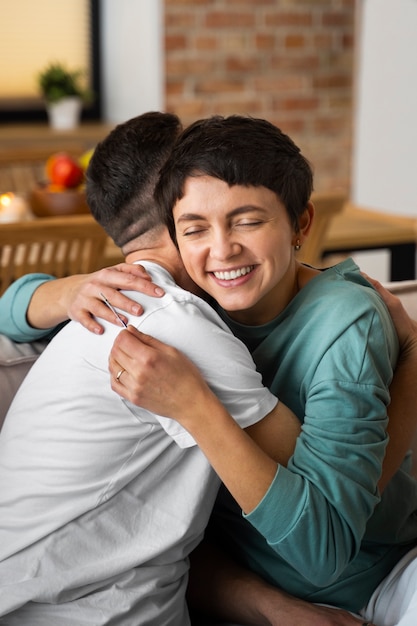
(240, 151)
(123, 172)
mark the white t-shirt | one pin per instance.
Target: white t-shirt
(101, 501)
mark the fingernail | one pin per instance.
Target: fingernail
(159, 291)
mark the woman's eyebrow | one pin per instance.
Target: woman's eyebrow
(247, 208)
(189, 217)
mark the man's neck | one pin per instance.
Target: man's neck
(167, 257)
(155, 255)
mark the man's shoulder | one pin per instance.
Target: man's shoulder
(177, 303)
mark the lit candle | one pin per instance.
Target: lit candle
(12, 208)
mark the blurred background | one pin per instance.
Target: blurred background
(339, 76)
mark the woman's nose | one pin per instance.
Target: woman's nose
(224, 246)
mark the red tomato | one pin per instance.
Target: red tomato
(62, 169)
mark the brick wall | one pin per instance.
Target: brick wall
(290, 61)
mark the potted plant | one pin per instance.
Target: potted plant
(64, 95)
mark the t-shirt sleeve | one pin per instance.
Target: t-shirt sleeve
(224, 362)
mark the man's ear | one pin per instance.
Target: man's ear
(305, 222)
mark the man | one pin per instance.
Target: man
(100, 501)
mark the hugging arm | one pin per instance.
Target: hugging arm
(246, 460)
(78, 297)
(37, 303)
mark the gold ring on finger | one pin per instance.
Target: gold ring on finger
(119, 373)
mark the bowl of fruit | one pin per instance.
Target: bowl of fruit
(63, 191)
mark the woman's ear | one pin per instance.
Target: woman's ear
(305, 222)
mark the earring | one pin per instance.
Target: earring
(297, 245)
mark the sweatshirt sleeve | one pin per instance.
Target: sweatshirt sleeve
(13, 307)
(315, 512)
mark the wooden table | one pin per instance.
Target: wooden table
(356, 229)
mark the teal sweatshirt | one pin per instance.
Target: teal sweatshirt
(13, 306)
(322, 532)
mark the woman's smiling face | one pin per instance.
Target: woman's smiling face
(237, 244)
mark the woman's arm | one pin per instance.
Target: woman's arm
(79, 297)
(34, 305)
(246, 461)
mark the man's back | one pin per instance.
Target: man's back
(100, 506)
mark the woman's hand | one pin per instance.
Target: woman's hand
(79, 297)
(157, 377)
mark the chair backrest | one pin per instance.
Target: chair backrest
(60, 246)
(326, 206)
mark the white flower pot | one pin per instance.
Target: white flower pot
(65, 114)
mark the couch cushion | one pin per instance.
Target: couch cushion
(15, 361)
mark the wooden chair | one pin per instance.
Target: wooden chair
(60, 246)
(326, 205)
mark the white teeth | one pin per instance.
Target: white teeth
(233, 273)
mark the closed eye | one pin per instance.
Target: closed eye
(248, 224)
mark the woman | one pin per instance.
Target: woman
(235, 193)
